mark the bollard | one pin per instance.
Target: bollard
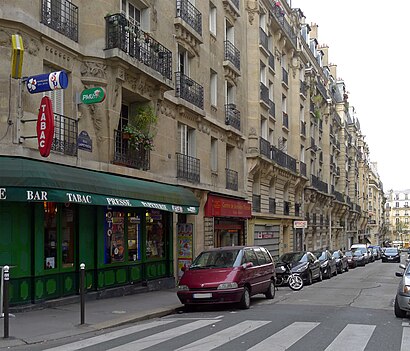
(82, 292)
(6, 277)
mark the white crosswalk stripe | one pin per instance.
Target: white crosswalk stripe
(353, 337)
(220, 338)
(286, 337)
(164, 336)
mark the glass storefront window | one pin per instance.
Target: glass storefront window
(50, 235)
(155, 234)
(67, 233)
(134, 236)
(114, 236)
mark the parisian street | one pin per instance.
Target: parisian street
(351, 311)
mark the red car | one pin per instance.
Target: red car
(228, 275)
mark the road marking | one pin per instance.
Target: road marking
(354, 337)
(405, 340)
(223, 336)
(286, 337)
(109, 336)
(163, 336)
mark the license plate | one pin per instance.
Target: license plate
(389, 258)
(202, 296)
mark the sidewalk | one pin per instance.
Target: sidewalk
(57, 322)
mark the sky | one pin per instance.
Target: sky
(368, 41)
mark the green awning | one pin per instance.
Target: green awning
(31, 180)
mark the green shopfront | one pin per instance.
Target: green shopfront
(54, 217)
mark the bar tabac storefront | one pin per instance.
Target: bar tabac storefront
(54, 217)
(229, 217)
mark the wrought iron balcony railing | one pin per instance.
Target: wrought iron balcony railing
(272, 109)
(121, 34)
(127, 155)
(264, 93)
(190, 14)
(231, 179)
(256, 203)
(263, 39)
(285, 76)
(189, 90)
(264, 147)
(236, 3)
(280, 18)
(319, 185)
(283, 159)
(232, 116)
(272, 205)
(302, 168)
(62, 16)
(188, 168)
(232, 54)
(65, 135)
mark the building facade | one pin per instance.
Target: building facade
(397, 213)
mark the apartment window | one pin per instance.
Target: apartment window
(397, 213)
(229, 32)
(214, 88)
(406, 196)
(212, 18)
(271, 91)
(262, 21)
(406, 220)
(262, 72)
(187, 140)
(183, 61)
(284, 104)
(229, 93)
(397, 204)
(214, 154)
(271, 135)
(264, 128)
(137, 15)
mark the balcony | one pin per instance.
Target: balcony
(319, 185)
(272, 205)
(272, 109)
(263, 39)
(256, 203)
(62, 16)
(189, 90)
(65, 135)
(121, 34)
(232, 116)
(231, 179)
(232, 54)
(264, 93)
(283, 159)
(188, 168)
(126, 155)
(264, 147)
(279, 15)
(190, 14)
(302, 168)
(339, 196)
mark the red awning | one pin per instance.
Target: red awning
(219, 206)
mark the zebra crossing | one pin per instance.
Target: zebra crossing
(353, 337)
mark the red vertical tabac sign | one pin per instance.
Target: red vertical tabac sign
(45, 126)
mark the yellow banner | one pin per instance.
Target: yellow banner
(17, 56)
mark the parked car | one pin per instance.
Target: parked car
(342, 264)
(228, 275)
(371, 254)
(327, 263)
(391, 254)
(402, 300)
(363, 249)
(351, 259)
(361, 257)
(303, 263)
(378, 250)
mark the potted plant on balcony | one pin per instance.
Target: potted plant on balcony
(141, 128)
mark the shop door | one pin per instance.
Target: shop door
(60, 250)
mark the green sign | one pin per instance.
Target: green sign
(92, 96)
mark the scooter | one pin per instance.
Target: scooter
(284, 276)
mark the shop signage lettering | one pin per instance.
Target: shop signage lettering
(78, 198)
(45, 126)
(93, 95)
(36, 195)
(154, 205)
(118, 202)
(3, 195)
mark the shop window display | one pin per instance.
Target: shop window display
(67, 232)
(155, 234)
(114, 236)
(50, 235)
(134, 236)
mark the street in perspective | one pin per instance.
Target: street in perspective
(353, 310)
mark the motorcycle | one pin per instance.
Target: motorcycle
(284, 276)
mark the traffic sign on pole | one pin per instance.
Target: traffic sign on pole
(17, 56)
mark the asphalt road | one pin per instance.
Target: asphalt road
(352, 311)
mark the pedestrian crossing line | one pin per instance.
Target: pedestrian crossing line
(354, 337)
(223, 336)
(109, 336)
(166, 335)
(286, 337)
(405, 339)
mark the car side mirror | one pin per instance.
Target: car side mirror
(399, 274)
(402, 266)
(247, 265)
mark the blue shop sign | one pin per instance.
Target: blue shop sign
(47, 82)
(84, 142)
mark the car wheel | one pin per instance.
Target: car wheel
(329, 273)
(270, 293)
(320, 278)
(347, 268)
(309, 279)
(246, 299)
(340, 269)
(399, 313)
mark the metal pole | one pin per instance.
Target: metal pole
(6, 277)
(82, 290)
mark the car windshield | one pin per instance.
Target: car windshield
(321, 255)
(349, 253)
(293, 257)
(391, 250)
(215, 259)
(336, 254)
(358, 253)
